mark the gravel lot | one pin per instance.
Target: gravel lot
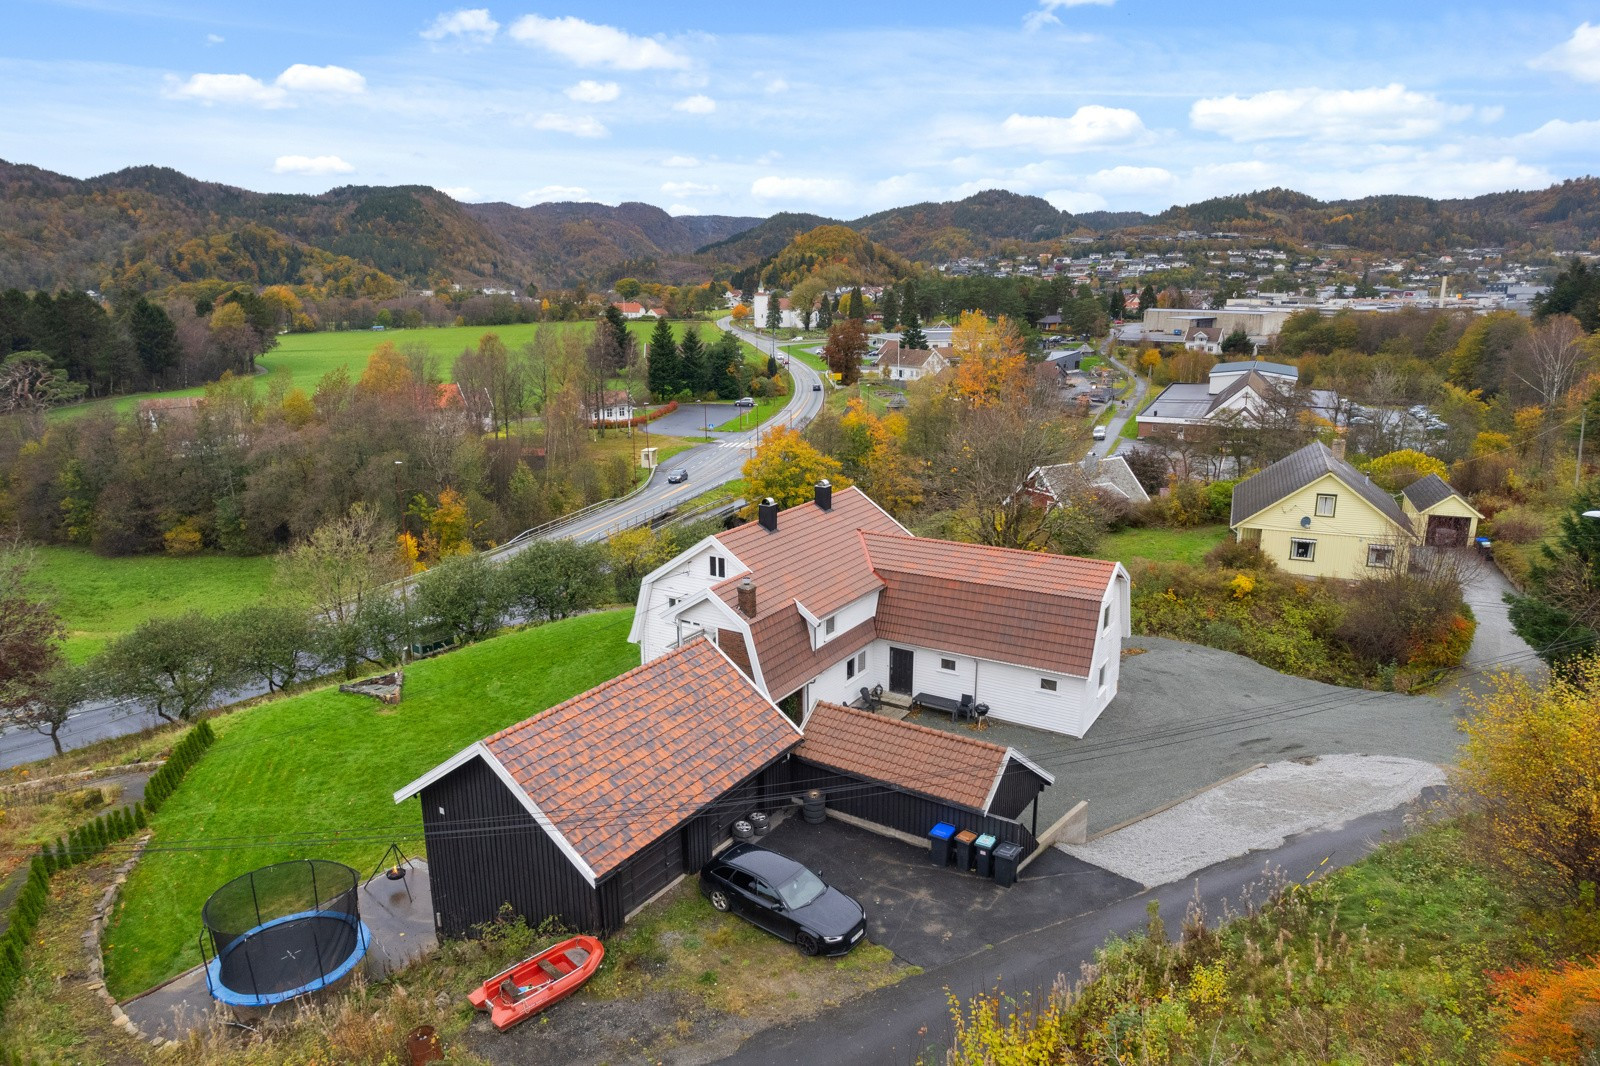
(1258, 810)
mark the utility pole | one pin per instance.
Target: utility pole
(1577, 473)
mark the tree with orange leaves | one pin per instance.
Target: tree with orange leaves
(992, 366)
(1549, 1015)
(387, 373)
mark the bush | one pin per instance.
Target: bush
(1550, 1016)
(1232, 554)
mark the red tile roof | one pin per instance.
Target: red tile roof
(1027, 608)
(945, 766)
(620, 765)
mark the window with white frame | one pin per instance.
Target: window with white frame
(719, 566)
(828, 626)
(1326, 502)
(1102, 681)
(1105, 617)
(1048, 684)
(1380, 555)
(947, 664)
(1302, 550)
(850, 668)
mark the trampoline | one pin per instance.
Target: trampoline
(283, 932)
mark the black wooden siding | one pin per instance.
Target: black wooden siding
(905, 811)
(476, 872)
(1018, 788)
(485, 851)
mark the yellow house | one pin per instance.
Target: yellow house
(1438, 513)
(1315, 515)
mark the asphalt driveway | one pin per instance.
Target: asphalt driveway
(1187, 716)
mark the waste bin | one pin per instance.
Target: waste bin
(964, 841)
(939, 843)
(982, 849)
(1006, 858)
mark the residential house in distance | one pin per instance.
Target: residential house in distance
(1315, 515)
(788, 318)
(170, 410)
(909, 364)
(1440, 516)
(821, 600)
(1110, 475)
(632, 310)
(1203, 339)
(615, 406)
(1232, 391)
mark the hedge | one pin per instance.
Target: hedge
(84, 843)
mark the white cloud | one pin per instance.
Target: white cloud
(1046, 13)
(698, 104)
(594, 92)
(586, 44)
(1578, 55)
(214, 38)
(469, 24)
(683, 209)
(777, 85)
(1390, 112)
(1126, 179)
(1558, 136)
(1075, 200)
(814, 190)
(1091, 126)
(689, 188)
(458, 192)
(577, 125)
(680, 161)
(305, 78)
(229, 89)
(552, 194)
(311, 164)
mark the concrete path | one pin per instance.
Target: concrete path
(1257, 811)
(1120, 419)
(1495, 644)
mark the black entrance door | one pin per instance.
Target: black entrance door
(900, 660)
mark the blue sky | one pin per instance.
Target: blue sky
(837, 108)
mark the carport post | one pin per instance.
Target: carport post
(1035, 816)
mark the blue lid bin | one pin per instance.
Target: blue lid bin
(939, 849)
(982, 850)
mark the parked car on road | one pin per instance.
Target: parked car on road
(784, 898)
(744, 401)
(677, 476)
(1099, 432)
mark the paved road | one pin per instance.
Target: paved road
(1114, 427)
(898, 1024)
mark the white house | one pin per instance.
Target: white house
(909, 364)
(788, 318)
(615, 406)
(821, 600)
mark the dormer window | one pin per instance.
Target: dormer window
(828, 626)
(719, 566)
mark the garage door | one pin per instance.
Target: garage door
(651, 870)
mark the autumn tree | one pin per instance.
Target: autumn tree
(847, 345)
(1394, 471)
(52, 702)
(1192, 365)
(1530, 769)
(1149, 361)
(992, 367)
(30, 633)
(341, 564)
(874, 457)
(787, 468)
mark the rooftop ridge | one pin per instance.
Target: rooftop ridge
(903, 724)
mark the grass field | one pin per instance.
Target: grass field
(1161, 545)
(765, 408)
(101, 599)
(325, 765)
(1130, 430)
(308, 356)
(802, 353)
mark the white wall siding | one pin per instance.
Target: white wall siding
(690, 576)
(845, 618)
(1013, 693)
(832, 684)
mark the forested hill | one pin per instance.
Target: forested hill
(149, 228)
(152, 228)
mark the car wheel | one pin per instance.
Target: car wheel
(719, 899)
(808, 944)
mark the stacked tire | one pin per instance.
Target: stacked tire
(814, 807)
(743, 830)
(760, 823)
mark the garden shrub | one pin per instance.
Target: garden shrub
(1550, 1016)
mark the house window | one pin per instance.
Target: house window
(1102, 681)
(1304, 550)
(947, 664)
(719, 566)
(1380, 555)
(861, 663)
(849, 668)
(672, 601)
(1105, 617)
(828, 626)
(1047, 683)
(1325, 504)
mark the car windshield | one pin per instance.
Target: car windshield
(801, 889)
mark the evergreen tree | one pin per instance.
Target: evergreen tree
(772, 367)
(155, 338)
(1147, 298)
(890, 308)
(726, 359)
(694, 364)
(665, 375)
(774, 311)
(858, 306)
(825, 308)
(1117, 303)
(1365, 290)
(911, 336)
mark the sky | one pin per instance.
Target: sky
(838, 108)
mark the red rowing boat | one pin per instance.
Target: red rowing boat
(533, 984)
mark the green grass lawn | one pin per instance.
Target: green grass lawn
(101, 599)
(1161, 545)
(765, 408)
(802, 353)
(325, 765)
(1130, 429)
(308, 356)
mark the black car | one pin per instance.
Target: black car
(784, 898)
(816, 387)
(677, 475)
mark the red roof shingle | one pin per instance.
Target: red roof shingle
(945, 766)
(620, 765)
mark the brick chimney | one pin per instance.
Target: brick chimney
(767, 514)
(1337, 447)
(747, 598)
(824, 494)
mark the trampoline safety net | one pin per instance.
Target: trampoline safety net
(284, 927)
